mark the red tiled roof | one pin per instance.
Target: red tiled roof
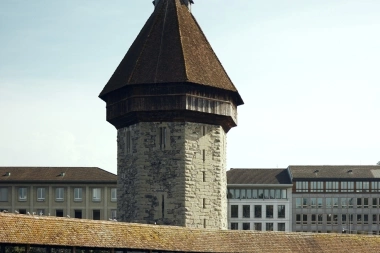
(171, 48)
(39, 230)
(54, 174)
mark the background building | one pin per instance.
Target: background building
(336, 199)
(259, 199)
(88, 193)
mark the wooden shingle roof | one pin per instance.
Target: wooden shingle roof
(258, 176)
(353, 172)
(38, 230)
(171, 48)
(56, 174)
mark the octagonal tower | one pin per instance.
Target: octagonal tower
(172, 103)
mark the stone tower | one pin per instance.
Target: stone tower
(172, 104)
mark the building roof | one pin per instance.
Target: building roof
(170, 48)
(258, 176)
(51, 231)
(56, 174)
(335, 172)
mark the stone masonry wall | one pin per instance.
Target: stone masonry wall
(172, 173)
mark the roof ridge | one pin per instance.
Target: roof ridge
(181, 41)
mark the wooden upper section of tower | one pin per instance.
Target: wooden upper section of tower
(170, 57)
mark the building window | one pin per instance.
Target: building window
(249, 193)
(332, 186)
(366, 186)
(374, 202)
(313, 202)
(234, 211)
(59, 194)
(269, 211)
(41, 194)
(266, 194)
(359, 219)
(113, 194)
(113, 214)
(329, 219)
(365, 218)
(281, 227)
(59, 213)
(304, 202)
(3, 194)
(269, 226)
(335, 219)
(316, 186)
(328, 202)
(319, 202)
(96, 194)
(258, 211)
(234, 226)
(320, 218)
(78, 214)
(359, 203)
(258, 226)
(343, 202)
(335, 202)
(162, 138)
(365, 202)
(374, 218)
(350, 202)
(359, 186)
(302, 186)
(260, 194)
(246, 226)
(231, 194)
(313, 218)
(22, 194)
(78, 194)
(298, 202)
(246, 211)
(96, 214)
(237, 193)
(347, 186)
(375, 186)
(304, 218)
(242, 194)
(281, 211)
(298, 218)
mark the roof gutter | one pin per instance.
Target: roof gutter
(260, 185)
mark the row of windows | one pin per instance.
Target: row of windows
(258, 211)
(60, 213)
(337, 186)
(269, 226)
(337, 203)
(256, 193)
(59, 194)
(334, 219)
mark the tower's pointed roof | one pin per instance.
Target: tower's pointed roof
(171, 48)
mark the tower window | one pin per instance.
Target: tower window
(204, 203)
(162, 138)
(203, 130)
(128, 142)
(204, 223)
(204, 176)
(204, 155)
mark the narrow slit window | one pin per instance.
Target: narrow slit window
(162, 138)
(204, 176)
(128, 142)
(204, 203)
(163, 206)
(203, 130)
(204, 155)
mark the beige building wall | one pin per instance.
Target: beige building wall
(52, 203)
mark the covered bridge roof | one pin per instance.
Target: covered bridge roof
(30, 230)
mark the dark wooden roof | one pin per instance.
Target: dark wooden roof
(171, 48)
(54, 174)
(336, 172)
(51, 231)
(258, 176)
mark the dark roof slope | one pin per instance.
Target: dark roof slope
(54, 174)
(39, 230)
(171, 48)
(335, 171)
(258, 176)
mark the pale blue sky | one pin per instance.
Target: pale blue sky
(308, 72)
